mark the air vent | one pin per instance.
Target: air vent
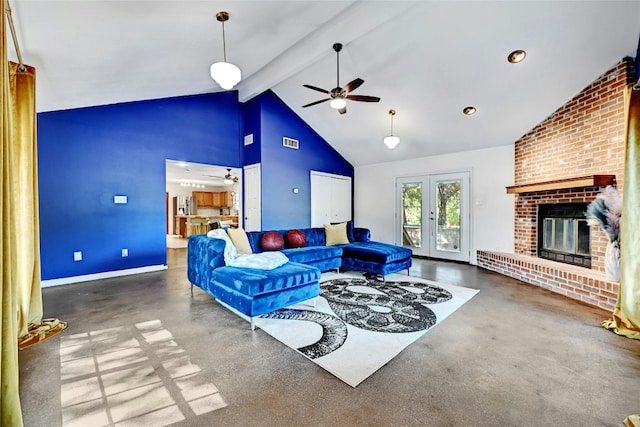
(290, 143)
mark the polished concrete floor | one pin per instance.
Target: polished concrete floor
(143, 346)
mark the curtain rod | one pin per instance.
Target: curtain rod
(7, 10)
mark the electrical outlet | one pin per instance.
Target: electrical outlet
(125, 253)
(77, 256)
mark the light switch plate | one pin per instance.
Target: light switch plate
(77, 256)
(248, 139)
(120, 200)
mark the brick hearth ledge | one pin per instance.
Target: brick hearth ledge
(582, 284)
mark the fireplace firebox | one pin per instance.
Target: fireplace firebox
(563, 233)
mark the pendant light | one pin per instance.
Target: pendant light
(224, 73)
(391, 141)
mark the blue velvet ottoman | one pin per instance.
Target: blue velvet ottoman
(376, 257)
(253, 292)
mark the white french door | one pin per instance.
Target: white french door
(433, 215)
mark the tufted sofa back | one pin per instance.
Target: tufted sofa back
(315, 237)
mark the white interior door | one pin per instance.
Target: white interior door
(340, 199)
(330, 198)
(433, 216)
(252, 198)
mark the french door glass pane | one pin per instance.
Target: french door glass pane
(448, 216)
(412, 215)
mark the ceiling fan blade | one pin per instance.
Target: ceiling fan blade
(352, 85)
(317, 102)
(343, 110)
(316, 88)
(363, 98)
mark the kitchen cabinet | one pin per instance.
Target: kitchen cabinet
(181, 226)
(204, 199)
(217, 199)
(223, 199)
(232, 218)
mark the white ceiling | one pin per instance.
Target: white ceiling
(192, 174)
(426, 59)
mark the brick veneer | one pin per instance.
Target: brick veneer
(582, 284)
(586, 136)
(526, 237)
(583, 137)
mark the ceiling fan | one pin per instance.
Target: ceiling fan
(340, 95)
(228, 178)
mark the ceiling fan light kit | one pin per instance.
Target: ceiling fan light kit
(339, 95)
(338, 103)
(224, 73)
(230, 179)
(391, 141)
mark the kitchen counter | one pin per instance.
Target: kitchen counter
(186, 225)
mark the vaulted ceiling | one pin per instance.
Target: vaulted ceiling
(425, 59)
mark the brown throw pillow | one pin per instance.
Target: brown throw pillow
(271, 241)
(295, 239)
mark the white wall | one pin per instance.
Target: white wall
(492, 214)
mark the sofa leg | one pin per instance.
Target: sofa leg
(253, 324)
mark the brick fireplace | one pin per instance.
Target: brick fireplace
(568, 158)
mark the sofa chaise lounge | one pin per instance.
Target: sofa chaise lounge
(253, 292)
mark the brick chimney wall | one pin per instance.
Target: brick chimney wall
(586, 136)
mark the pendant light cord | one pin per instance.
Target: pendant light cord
(392, 113)
(224, 44)
(7, 10)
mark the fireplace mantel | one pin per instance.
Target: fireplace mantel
(578, 182)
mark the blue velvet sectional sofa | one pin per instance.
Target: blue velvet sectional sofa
(254, 292)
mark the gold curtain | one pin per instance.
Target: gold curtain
(11, 414)
(25, 197)
(626, 316)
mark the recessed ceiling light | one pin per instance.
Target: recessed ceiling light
(517, 56)
(468, 111)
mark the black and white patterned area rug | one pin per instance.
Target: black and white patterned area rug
(359, 325)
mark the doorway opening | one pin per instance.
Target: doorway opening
(197, 195)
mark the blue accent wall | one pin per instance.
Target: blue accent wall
(87, 156)
(284, 168)
(251, 110)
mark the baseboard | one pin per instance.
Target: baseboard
(97, 276)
